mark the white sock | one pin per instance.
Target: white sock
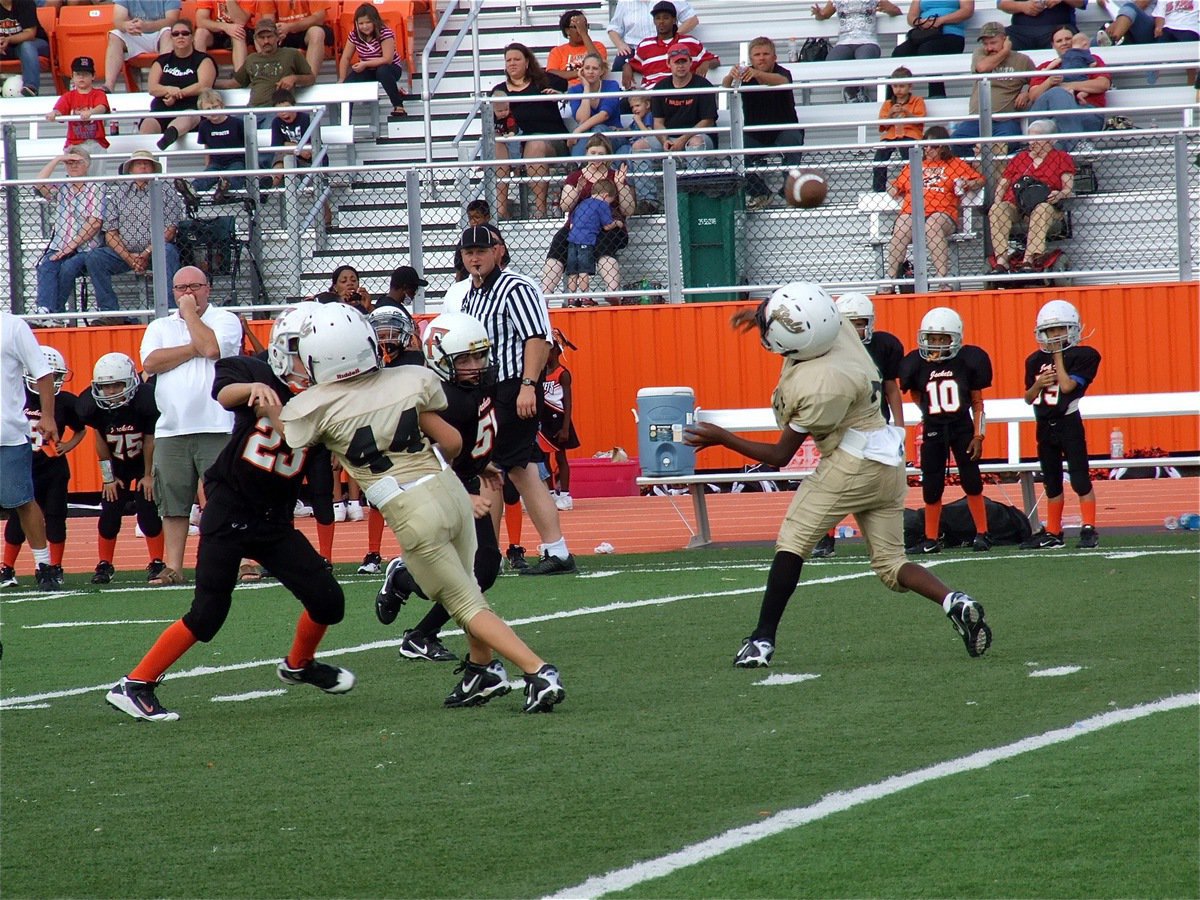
(41, 557)
(558, 548)
(948, 602)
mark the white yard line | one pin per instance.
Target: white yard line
(785, 678)
(623, 879)
(1055, 672)
(249, 695)
(90, 624)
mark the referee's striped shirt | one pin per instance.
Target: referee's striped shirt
(512, 309)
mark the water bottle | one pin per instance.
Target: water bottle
(793, 53)
(1116, 444)
(846, 531)
(645, 299)
(1190, 521)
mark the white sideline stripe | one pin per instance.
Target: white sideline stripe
(249, 695)
(89, 624)
(623, 879)
(1056, 671)
(528, 620)
(784, 678)
(30, 706)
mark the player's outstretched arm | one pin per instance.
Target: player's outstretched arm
(779, 454)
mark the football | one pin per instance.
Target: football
(805, 188)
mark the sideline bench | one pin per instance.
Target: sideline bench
(1009, 412)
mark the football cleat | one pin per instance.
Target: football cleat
(414, 645)
(372, 564)
(755, 653)
(8, 577)
(154, 568)
(1045, 540)
(339, 512)
(515, 557)
(543, 690)
(137, 699)
(564, 502)
(983, 543)
(392, 595)
(967, 618)
(354, 511)
(824, 548)
(551, 565)
(1089, 538)
(926, 546)
(59, 577)
(104, 573)
(328, 565)
(47, 580)
(479, 685)
(330, 679)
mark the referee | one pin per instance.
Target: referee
(513, 311)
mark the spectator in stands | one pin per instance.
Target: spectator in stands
(139, 29)
(945, 179)
(375, 45)
(632, 22)
(589, 219)
(270, 67)
(577, 187)
(287, 128)
(346, 284)
(766, 108)
(301, 25)
(996, 54)
(78, 211)
(403, 287)
(1148, 22)
(858, 36)
(220, 132)
(649, 57)
(938, 27)
(671, 114)
(566, 60)
(177, 79)
(595, 115)
(1035, 21)
(22, 38)
(904, 104)
(223, 25)
(525, 78)
(127, 233)
(1054, 169)
(641, 117)
(83, 100)
(1074, 91)
(505, 125)
(182, 349)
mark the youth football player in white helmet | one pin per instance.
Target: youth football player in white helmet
(829, 389)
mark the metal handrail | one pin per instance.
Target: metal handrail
(429, 85)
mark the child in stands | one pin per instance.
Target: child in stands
(904, 104)
(83, 100)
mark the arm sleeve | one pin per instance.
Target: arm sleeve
(28, 349)
(299, 430)
(151, 341)
(229, 334)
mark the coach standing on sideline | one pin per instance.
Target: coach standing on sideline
(513, 310)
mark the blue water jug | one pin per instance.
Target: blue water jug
(662, 414)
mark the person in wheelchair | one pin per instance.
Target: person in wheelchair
(1034, 185)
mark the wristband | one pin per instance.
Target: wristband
(527, 382)
(106, 471)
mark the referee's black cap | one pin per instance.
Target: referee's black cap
(477, 236)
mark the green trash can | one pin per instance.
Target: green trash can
(711, 208)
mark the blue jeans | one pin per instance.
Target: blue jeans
(969, 128)
(28, 52)
(792, 137)
(618, 144)
(648, 186)
(56, 279)
(1085, 118)
(224, 163)
(1141, 27)
(103, 263)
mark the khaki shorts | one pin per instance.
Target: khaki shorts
(179, 464)
(435, 526)
(845, 485)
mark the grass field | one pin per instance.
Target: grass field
(662, 751)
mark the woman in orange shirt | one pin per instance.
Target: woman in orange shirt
(946, 178)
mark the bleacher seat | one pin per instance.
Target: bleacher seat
(47, 16)
(83, 31)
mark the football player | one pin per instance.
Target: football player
(886, 352)
(251, 498)
(51, 471)
(1057, 375)
(383, 425)
(946, 379)
(457, 349)
(121, 412)
(829, 389)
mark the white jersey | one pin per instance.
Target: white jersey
(20, 353)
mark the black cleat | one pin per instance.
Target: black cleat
(967, 618)
(1044, 540)
(1089, 538)
(755, 653)
(46, 580)
(372, 564)
(414, 645)
(983, 543)
(824, 548)
(104, 573)
(330, 679)
(479, 685)
(515, 557)
(392, 595)
(59, 578)
(137, 699)
(154, 568)
(551, 565)
(925, 547)
(8, 577)
(543, 690)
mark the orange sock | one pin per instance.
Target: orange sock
(56, 552)
(155, 546)
(978, 513)
(933, 520)
(374, 530)
(108, 549)
(304, 647)
(1087, 510)
(11, 552)
(513, 521)
(1054, 511)
(171, 644)
(325, 540)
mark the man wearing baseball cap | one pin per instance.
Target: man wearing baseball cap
(403, 287)
(994, 55)
(632, 22)
(649, 58)
(270, 66)
(78, 209)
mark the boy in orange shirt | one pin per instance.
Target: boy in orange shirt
(904, 104)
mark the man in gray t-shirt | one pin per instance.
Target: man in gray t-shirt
(127, 234)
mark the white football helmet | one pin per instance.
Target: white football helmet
(58, 366)
(854, 306)
(114, 370)
(394, 329)
(799, 321)
(336, 343)
(940, 320)
(450, 337)
(1058, 314)
(281, 347)
(12, 86)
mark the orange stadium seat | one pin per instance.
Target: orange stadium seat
(189, 10)
(47, 15)
(83, 31)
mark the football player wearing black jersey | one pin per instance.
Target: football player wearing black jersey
(1057, 375)
(121, 411)
(946, 379)
(251, 498)
(51, 471)
(457, 348)
(887, 352)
